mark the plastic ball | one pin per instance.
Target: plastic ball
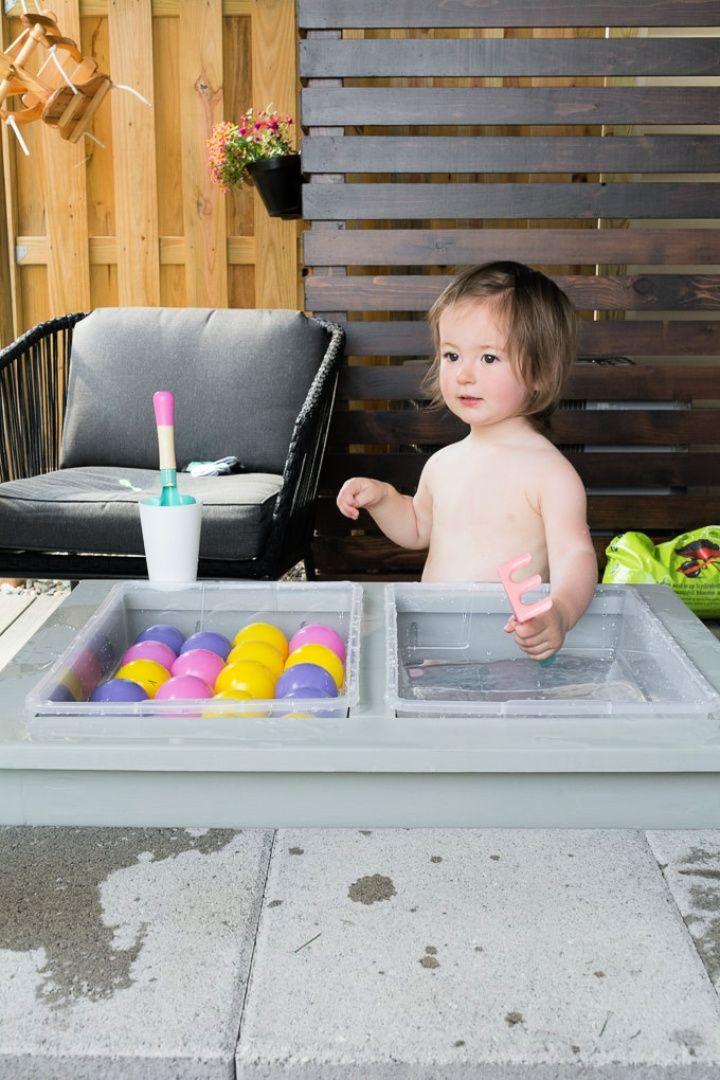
(321, 655)
(247, 675)
(183, 688)
(306, 676)
(208, 639)
(86, 667)
(119, 690)
(150, 650)
(232, 695)
(68, 682)
(102, 649)
(201, 663)
(263, 631)
(307, 692)
(262, 653)
(147, 673)
(238, 696)
(317, 634)
(169, 635)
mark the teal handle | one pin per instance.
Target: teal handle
(547, 662)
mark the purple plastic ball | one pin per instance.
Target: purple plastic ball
(305, 692)
(169, 635)
(208, 639)
(304, 676)
(118, 690)
(61, 692)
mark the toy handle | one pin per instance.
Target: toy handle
(164, 406)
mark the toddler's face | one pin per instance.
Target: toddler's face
(478, 380)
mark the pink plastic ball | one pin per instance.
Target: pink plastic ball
(150, 650)
(317, 634)
(201, 663)
(183, 688)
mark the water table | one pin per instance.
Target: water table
(399, 754)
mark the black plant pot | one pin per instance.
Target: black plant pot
(279, 181)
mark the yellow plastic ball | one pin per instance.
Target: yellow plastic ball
(146, 673)
(261, 653)
(249, 676)
(263, 631)
(241, 696)
(321, 655)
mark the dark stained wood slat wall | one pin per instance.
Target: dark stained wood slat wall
(488, 154)
(339, 14)
(466, 57)
(649, 455)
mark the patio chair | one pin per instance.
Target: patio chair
(78, 446)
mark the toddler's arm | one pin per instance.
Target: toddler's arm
(571, 556)
(405, 519)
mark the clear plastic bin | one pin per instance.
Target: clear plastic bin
(223, 606)
(447, 654)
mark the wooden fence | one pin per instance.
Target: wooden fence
(138, 222)
(442, 134)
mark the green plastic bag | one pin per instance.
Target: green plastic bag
(689, 564)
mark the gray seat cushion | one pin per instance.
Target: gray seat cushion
(94, 510)
(239, 377)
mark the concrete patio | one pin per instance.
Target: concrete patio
(355, 953)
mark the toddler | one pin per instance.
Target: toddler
(505, 338)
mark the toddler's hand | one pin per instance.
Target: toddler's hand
(540, 637)
(359, 493)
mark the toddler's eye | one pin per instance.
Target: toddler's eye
(451, 357)
(490, 358)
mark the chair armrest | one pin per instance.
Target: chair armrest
(33, 389)
(292, 517)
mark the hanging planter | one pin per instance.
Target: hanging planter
(279, 181)
(258, 151)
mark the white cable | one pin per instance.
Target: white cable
(89, 135)
(132, 90)
(61, 69)
(18, 136)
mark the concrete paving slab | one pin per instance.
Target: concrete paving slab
(690, 861)
(500, 954)
(124, 953)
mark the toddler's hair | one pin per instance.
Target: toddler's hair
(541, 327)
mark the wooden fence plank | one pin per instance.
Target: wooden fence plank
(438, 247)
(338, 14)
(136, 209)
(201, 106)
(65, 196)
(643, 292)
(587, 382)
(274, 82)
(603, 338)
(595, 469)
(548, 200)
(603, 428)
(523, 57)
(510, 105)
(489, 154)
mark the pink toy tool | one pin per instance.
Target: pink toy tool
(164, 406)
(515, 590)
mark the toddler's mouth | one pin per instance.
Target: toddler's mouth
(468, 399)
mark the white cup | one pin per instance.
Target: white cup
(171, 535)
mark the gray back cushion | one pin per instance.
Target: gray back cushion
(239, 377)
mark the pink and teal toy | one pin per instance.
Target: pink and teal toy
(318, 634)
(208, 639)
(169, 635)
(306, 676)
(164, 407)
(118, 690)
(150, 650)
(201, 663)
(183, 688)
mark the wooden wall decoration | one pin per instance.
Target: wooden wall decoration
(145, 226)
(441, 133)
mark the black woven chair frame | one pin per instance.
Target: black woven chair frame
(34, 373)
